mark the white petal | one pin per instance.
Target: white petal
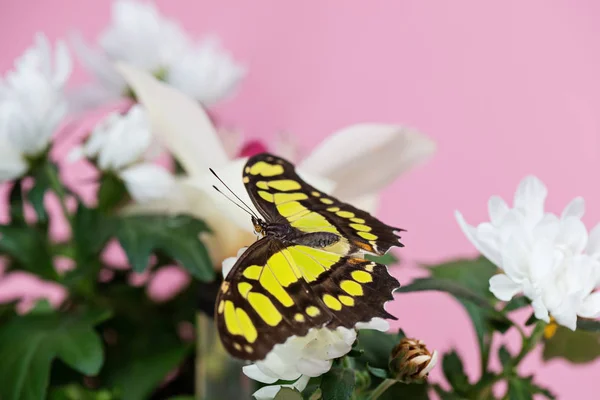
(372, 154)
(313, 367)
(179, 121)
(498, 209)
(12, 164)
(576, 208)
(590, 308)
(301, 383)
(229, 262)
(431, 365)
(253, 372)
(539, 309)
(88, 96)
(593, 246)
(376, 323)
(572, 234)
(485, 248)
(367, 202)
(530, 196)
(267, 392)
(146, 182)
(543, 262)
(503, 287)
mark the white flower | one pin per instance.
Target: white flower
(552, 260)
(32, 105)
(119, 144)
(334, 167)
(300, 358)
(141, 36)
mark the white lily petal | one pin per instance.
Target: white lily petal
(486, 249)
(593, 245)
(503, 287)
(590, 308)
(540, 310)
(572, 234)
(253, 372)
(372, 154)
(542, 264)
(146, 182)
(313, 367)
(498, 209)
(576, 208)
(530, 196)
(179, 121)
(267, 392)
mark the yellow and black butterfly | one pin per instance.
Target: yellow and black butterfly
(307, 270)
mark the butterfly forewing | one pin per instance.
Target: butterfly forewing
(282, 196)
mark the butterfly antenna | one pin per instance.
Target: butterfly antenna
(234, 202)
(249, 210)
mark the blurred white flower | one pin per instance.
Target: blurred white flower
(141, 36)
(334, 167)
(552, 260)
(300, 358)
(120, 144)
(32, 105)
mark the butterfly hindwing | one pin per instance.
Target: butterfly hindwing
(282, 196)
(277, 290)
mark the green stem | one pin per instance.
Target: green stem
(383, 386)
(530, 342)
(59, 189)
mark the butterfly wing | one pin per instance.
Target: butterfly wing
(277, 290)
(282, 196)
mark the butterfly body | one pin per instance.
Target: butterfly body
(307, 270)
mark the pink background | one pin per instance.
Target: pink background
(505, 89)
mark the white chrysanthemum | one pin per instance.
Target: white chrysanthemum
(120, 144)
(552, 260)
(300, 358)
(32, 105)
(141, 36)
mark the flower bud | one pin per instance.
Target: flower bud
(411, 362)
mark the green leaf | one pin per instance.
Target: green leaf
(504, 355)
(112, 192)
(413, 391)
(517, 303)
(386, 259)
(43, 181)
(454, 371)
(28, 345)
(91, 231)
(29, 248)
(519, 389)
(287, 393)
(175, 236)
(590, 325)
(578, 347)
(444, 395)
(531, 320)
(338, 384)
(77, 392)
(378, 372)
(377, 347)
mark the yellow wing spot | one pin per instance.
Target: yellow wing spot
(312, 311)
(237, 346)
(361, 227)
(345, 214)
(231, 322)
(290, 208)
(326, 201)
(285, 197)
(252, 272)
(221, 307)
(352, 288)
(358, 220)
(246, 179)
(285, 185)
(270, 283)
(316, 194)
(333, 209)
(362, 276)
(370, 267)
(312, 262)
(332, 302)
(346, 300)
(266, 196)
(367, 235)
(264, 308)
(248, 349)
(314, 221)
(262, 185)
(225, 287)
(265, 169)
(299, 317)
(244, 288)
(284, 267)
(247, 170)
(245, 323)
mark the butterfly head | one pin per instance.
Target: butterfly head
(260, 226)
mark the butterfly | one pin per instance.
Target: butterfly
(307, 270)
